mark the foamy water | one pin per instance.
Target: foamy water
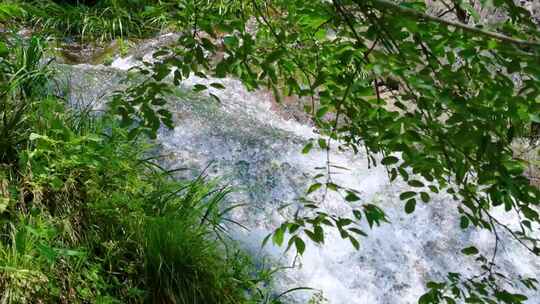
(254, 149)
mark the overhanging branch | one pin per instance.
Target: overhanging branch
(389, 5)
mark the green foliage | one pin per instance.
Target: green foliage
(143, 107)
(23, 78)
(490, 286)
(182, 265)
(155, 235)
(10, 11)
(104, 21)
(87, 216)
(22, 276)
(437, 99)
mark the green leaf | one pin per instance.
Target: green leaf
(322, 143)
(217, 85)
(358, 231)
(470, 251)
(230, 41)
(374, 215)
(307, 148)
(535, 117)
(274, 56)
(389, 160)
(514, 167)
(161, 71)
(293, 228)
(322, 111)
(199, 88)
(314, 187)
(463, 222)
(406, 195)
(427, 298)
(313, 19)
(290, 243)
(266, 239)
(311, 235)
(410, 206)
(351, 197)
(425, 197)
(319, 234)
(48, 252)
(278, 236)
(215, 97)
(300, 245)
(354, 242)
(415, 183)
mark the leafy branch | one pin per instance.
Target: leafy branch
(396, 8)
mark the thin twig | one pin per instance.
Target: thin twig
(388, 5)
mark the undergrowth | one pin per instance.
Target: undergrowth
(98, 21)
(87, 217)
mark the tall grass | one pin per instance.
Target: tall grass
(22, 79)
(104, 21)
(10, 11)
(184, 265)
(22, 274)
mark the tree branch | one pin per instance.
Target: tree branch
(389, 5)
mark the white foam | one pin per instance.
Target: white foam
(268, 169)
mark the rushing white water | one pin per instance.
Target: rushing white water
(250, 146)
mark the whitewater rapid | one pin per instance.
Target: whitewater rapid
(248, 145)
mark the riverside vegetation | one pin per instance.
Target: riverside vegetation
(440, 93)
(87, 214)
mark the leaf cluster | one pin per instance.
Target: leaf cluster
(438, 103)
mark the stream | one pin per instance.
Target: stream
(246, 143)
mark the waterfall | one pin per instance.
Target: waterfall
(248, 145)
